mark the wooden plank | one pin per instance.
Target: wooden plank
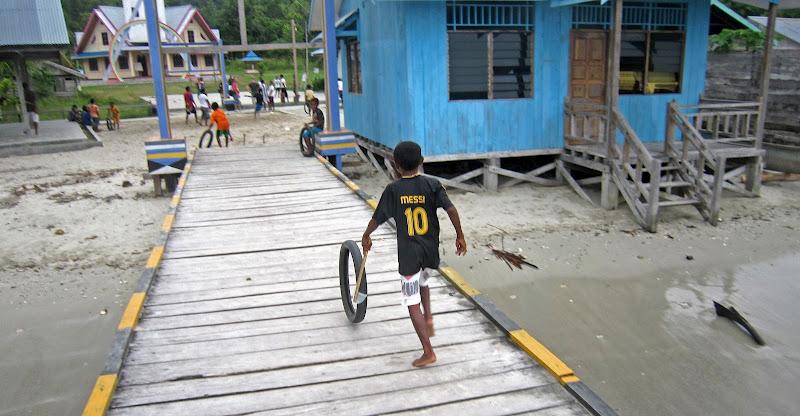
(242, 325)
(307, 355)
(146, 354)
(432, 395)
(538, 401)
(571, 181)
(269, 312)
(491, 353)
(523, 176)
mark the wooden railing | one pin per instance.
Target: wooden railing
(629, 166)
(584, 123)
(724, 121)
(693, 169)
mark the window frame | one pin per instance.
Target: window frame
(120, 60)
(193, 60)
(175, 57)
(104, 38)
(490, 62)
(208, 60)
(190, 36)
(355, 82)
(94, 65)
(646, 75)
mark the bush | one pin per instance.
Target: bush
(741, 39)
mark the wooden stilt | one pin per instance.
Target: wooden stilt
(490, 178)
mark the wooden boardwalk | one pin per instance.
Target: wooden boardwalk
(245, 315)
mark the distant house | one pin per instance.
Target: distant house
(93, 43)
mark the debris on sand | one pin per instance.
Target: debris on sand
(58, 231)
(734, 315)
(689, 257)
(103, 311)
(126, 184)
(512, 259)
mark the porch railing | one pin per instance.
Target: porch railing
(584, 123)
(724, 121)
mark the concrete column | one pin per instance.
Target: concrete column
(157, 68)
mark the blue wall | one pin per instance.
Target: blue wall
(405, 83)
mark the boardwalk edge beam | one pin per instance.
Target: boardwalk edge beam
(100, 397)
(520, 337)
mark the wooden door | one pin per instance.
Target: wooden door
(588, 66)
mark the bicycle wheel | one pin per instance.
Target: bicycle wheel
(307, 145)
(355, 313)
(208, 133)
(307, 108)
(109, 124)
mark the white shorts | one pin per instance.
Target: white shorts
(409, 287)
(33, 117)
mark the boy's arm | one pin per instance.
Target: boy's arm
(461, 243)
(366, 240)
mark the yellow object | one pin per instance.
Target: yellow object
(100, 398)
(335, 146)
(178, 155)
(155, 257)
(372, 203)
(131, 314)
(455, 278)
(175, 200)
(352, 185)
(167, 224)
(542, 355)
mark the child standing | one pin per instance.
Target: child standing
(223, 126)
(203, 103)
(412, 202)
(94, 113)
(188, 103)
(113, 114)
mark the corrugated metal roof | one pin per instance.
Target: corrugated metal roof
(786, 26)
(115, 15)
(32, 23)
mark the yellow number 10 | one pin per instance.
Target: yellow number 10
(417, 221)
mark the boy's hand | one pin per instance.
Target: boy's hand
(366, 243)
(461, 246)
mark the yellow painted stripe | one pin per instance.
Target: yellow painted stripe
(372, 203)
(100, 398)
(570, 379)
(182, 181)
(177, 155)
(335, 146)
(352, 185)
(131, 314)
(176, 199)
(455, 277)
(541, 354)
(155, 257)
(167, 224)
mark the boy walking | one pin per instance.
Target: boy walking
(412, 202)
(188, 103)
(223, 125)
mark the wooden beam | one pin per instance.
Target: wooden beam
(294, 61)
(238, 48)
(766, 67)
(571, 181)
(612, 74)
(536, 172)
(458, 185)
(242, 24)
(523, 177)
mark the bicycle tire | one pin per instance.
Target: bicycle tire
(109, 124)
(355, 313)
(307, 146)
(210, 135)
(307, 109)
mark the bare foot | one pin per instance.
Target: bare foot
(426, 359)
(431, 332)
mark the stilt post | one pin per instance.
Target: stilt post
(157, 66)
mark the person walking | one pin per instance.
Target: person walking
(205, 107)
(271, 96)
(284, 94)
(262, 86)
(234, 91)
(188, 103)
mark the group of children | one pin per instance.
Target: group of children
(89, 115)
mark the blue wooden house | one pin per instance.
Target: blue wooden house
(471, 77)
(487, 80)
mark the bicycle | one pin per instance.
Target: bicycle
(307, 144)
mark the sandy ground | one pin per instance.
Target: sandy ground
(628, 310)
(77, 229)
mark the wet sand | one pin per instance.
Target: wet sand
(628, 311)
(61, 294)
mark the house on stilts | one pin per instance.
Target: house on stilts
(489, 81)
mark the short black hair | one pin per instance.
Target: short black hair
(315, 100)
(214, 106)
(408, 155)
(188, 88)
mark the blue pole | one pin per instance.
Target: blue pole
(224, 75)
(331, 76)
(154, 42)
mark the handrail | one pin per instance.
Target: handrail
(630, 137)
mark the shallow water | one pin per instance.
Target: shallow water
(642, 331)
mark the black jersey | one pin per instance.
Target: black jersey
(412, 202)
